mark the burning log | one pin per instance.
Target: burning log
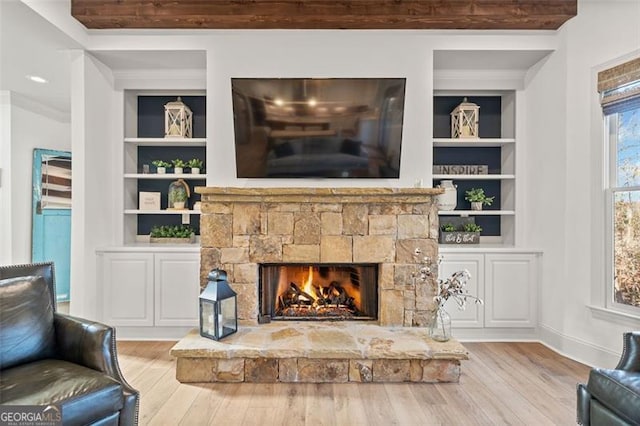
(299, 292)
(332, 301)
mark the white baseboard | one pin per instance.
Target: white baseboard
(577, 349)
(495, 334)
(151, 333)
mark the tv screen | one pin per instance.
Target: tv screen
(318, 127)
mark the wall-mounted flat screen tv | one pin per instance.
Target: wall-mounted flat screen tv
(318, 127)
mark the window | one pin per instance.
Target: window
(620, 89)
(624, 142)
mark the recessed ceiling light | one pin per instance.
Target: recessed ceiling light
(37, 79)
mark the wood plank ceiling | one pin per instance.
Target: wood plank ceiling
(325, 14)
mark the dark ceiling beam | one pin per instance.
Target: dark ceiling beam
(324, 14)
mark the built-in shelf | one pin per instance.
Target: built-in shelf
(171, 142)
(475, 177)
(495, 148)
(178, 212)
(143, 143)
(470, 143)
(476, 212)
(169, 176)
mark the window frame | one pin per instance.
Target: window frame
(612, 187)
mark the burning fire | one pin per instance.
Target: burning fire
(308, 287)
(305, 293)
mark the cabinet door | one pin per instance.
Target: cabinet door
(473, 315)
(177, 289)
(511, 285)
(127, 289)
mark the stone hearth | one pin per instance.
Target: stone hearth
(242, 228)
(316, 353)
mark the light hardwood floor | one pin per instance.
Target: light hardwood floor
(502, 383)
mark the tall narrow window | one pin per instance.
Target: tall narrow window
(620, 90)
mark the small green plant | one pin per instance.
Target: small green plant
(194, 163)
(477, 195)
(178, 196)
(178, 163)
(447, 227)
(175, 231)
(160, 163)
(472, 227)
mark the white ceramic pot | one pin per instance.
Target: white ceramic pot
(448, 200)
(162, 170)
(178, 170)
(476, 205)
(178, 205)
(195, 171)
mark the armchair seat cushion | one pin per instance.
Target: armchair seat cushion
(618, 390)
(83, 395)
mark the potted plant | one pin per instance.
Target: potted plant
(459, 232)
(176, 234)
(471, 227)
(178, 194)
(178, 166)
(478, 198)
(447, 227)
(161, 166)
(195, 165)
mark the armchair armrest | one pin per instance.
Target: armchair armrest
(583, 405)
(93, 345)
(630, 359)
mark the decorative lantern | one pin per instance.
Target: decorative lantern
(464, 120)
(177, 120)
(218, 307)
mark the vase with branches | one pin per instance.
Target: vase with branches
(454, 287)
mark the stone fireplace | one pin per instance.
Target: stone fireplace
(243, 230)
(317, 253)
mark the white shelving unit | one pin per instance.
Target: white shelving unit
(166, 141)
(467, 143)
(506, 176)
(132, 169)
(178, 212)
(476, 213)
(476, 177)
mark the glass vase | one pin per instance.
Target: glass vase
(440, 327)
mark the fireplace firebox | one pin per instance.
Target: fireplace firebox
(319, 291)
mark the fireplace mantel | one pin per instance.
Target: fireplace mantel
(311, 195)
(243, 228)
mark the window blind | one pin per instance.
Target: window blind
(619, 87)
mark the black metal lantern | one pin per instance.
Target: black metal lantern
(218, 307)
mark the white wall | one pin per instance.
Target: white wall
(92, 134)
(5, 177)
(565, 163)
(28, 126)
(319, 54)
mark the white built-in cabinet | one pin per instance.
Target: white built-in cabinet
(506, 281)
(152, 289)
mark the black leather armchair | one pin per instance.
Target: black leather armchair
(612, 397)
(48, 358)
